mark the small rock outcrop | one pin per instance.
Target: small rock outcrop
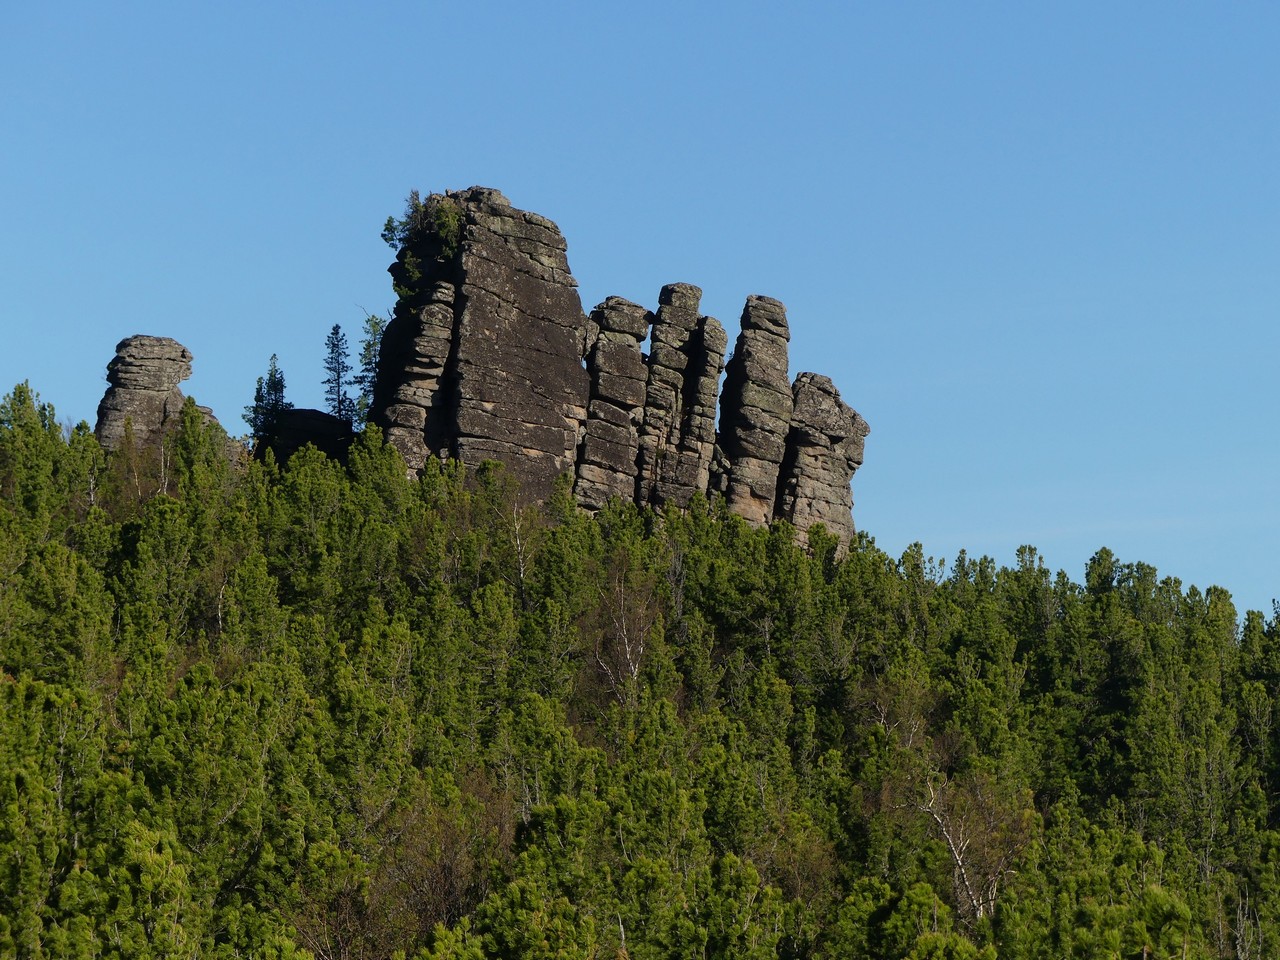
(296, 427)
(824, 448)
(143, 392)
(490, 356)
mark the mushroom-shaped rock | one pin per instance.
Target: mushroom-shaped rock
(143, 392)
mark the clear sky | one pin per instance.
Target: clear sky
(1036, 245)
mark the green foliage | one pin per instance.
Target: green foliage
(268, 402)
(367, 363)
(328, 710)
(436, 221)
(337, 375)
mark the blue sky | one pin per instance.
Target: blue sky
(1037, 246)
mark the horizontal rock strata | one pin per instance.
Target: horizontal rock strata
(606, 464)
(490, 356)
(756, 410)
(824, 448)
(143, 392)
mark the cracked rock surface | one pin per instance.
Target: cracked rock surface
(142, 391)
(489, 355)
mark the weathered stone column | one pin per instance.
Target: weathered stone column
(755, 410)
(611, 441)
(677, 439)
(824, 449)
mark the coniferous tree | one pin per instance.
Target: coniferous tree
(268, 402)
(374, 326)
(337, 370)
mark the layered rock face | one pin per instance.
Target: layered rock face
(757, 408)
(490, 356)
(619, 386)
(824, 448)
(143, 380)
(484, 356)
(678, 437)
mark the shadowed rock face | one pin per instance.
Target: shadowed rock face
(296, 427)
(143, 378)
(489, 356)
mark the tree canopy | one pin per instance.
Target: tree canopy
(322, 709)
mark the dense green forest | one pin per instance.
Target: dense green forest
(320, 709)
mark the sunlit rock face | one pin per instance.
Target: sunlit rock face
(824, 449)
(143, 392)
(483, 359)
(489, 355)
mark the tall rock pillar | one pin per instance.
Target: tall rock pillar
(611, 440)
(755, 410)
(484, 357)
(678, 437)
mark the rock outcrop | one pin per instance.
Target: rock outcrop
(678, 436)
(606, 464)
(483, 358)
(756, 410)
(824, 448)
(143, 392)
(296, 427)
(489, 356)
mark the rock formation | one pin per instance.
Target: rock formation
(143, 376)
(489, 356)
(296, 427)
(483, 358)
(756, 412)
(611, 440)
(824, 448)
(679, 432)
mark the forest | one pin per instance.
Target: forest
(322, 709)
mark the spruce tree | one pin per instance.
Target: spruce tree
(268, 402)
(337, 369)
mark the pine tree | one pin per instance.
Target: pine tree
(374, 326)
(268, 402)
(337, 368)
